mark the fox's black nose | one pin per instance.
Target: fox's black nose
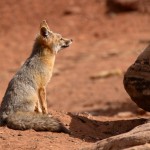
(71, 40)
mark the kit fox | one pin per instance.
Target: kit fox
(24, 104)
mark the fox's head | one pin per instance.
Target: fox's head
(53, 41)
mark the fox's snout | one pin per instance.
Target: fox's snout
(67, 43)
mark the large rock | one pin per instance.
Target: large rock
(137, 80)
(128, 5)
(135, 139)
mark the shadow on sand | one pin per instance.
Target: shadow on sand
(91, 130)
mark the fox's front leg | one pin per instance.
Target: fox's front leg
(42, 98)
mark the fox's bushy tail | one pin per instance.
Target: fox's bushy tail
(36, 121)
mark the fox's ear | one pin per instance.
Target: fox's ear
(44, 32)
(44, 24)
(44, 29)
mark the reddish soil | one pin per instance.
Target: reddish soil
(92, 108)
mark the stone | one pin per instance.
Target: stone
(137, 80)
(136, 139)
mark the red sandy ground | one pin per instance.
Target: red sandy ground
(100, 107)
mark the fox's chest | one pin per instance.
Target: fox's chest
(42, 79)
